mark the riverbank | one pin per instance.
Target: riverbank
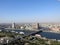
(20, 29)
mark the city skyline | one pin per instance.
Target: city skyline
(29, 11)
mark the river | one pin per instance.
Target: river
(48, 35)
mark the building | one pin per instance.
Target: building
(55, 28)
(35, 26)
(28, 27)
(13, 25)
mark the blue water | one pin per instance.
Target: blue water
(50, 35)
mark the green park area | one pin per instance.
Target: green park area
(8, 34)
(34, 41)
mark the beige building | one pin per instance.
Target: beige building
(55, 29)
(35, 26)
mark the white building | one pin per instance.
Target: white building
(13, 25)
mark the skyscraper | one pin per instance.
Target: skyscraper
(13, 25)
(35, 26)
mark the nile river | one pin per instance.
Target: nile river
(48, 35)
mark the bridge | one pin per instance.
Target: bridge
(21, 38)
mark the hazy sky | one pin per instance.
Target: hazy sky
(29, 11)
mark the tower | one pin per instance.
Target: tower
(35, 26)
(13, 25)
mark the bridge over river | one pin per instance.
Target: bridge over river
(21, 38)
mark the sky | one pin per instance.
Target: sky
(29, 11)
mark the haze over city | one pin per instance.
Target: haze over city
(29, 22)
(29, 11)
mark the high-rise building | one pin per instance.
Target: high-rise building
(35, 26)
(13, 25)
